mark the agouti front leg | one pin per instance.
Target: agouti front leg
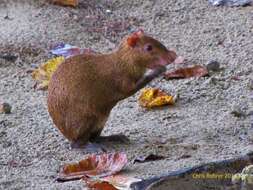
(148, 78)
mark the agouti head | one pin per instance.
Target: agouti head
(145, 52)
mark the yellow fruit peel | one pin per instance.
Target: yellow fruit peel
(43, 74)
(153, 97)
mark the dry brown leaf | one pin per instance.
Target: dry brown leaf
(73, 3)
(152, 97)
(95, 165)
(195, 71)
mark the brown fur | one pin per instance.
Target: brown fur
(85, 88)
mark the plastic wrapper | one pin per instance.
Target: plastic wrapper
(230, 2)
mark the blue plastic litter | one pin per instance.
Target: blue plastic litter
(65, 50)
(232, 3)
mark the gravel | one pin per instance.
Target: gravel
(200, 125)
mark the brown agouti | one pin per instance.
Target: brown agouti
(85, 87)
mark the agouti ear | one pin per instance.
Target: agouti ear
(134, 37)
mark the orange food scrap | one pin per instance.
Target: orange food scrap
(152, 97)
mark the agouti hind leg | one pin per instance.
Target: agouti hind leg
(83, 143)
(97, 138)
(117, 138)
(88, 147)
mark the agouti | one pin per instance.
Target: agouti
(85, 87)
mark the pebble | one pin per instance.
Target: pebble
(75, 18)
(250, 84)
(237, 111)
(9, 57)
(5, 108)
(108, 11)
(211, 80)
(213, 65)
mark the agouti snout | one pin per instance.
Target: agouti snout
(85, 87)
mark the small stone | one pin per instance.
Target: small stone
(5, 108)
(75, 18)
(225, 86)
(108, 11)
(9, 57)
(175, 97)
(213, 65)
(237, 112)
(211, 80)
(184, 156)
(250, 84)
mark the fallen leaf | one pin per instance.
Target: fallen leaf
(114, 182)
(73, 3)
(149, 158)
(195, 71)
(152, 97)
(44, 73)
(99, 185)
(94, 166)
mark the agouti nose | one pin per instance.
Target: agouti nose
(172, 56)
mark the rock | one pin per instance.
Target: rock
(108, 11)
(9, 57)
(211, 81)
(237, 111)
(250, 84)
(175, 97)
(5, 108)
(213, 65)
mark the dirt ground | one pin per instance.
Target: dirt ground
(212, 119)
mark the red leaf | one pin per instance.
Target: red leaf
(99, 185)
(195, 71)
(113, 182)
(95, 165)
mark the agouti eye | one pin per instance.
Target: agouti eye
(148, 48)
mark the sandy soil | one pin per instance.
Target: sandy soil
(200, 128)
